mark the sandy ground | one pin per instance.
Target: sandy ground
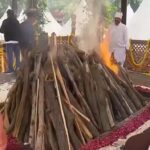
(6, 78)
(4, 88)
(6, 82)
(139, 79)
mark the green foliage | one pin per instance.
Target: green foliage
(111, 6)
(69, 6)
(110, 10)
(65, 6)
(42, 5)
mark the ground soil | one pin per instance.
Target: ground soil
(6, 77)
(139, 78)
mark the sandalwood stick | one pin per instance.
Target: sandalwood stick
(60, 104)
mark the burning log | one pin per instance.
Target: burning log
(62, 99)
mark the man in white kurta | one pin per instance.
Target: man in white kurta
(118, 38)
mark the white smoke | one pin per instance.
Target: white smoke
(88, 38)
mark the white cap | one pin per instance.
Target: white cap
(118, 15)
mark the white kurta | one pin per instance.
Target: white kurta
(119, 42)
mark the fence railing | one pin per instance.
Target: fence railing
(3, 61)
(138, 56)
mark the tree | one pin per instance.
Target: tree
(17, 5)
(111, 6)
(31, 4)
(67, 7)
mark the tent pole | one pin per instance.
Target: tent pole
(124, 10)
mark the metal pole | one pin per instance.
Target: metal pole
(124, 10)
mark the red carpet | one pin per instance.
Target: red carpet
(121, 132)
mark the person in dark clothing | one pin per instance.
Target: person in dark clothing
(27, 42)
(11, 30)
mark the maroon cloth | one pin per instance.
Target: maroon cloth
(13, 144)
(128, 127)
(138, 142)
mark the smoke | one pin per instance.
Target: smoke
(89, 38)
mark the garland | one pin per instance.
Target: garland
(145, 55)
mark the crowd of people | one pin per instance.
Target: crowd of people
(19, 38)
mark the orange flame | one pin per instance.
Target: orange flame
(106, 56)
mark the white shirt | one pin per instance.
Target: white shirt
(11, 42)
(118, 41)
(118, 37)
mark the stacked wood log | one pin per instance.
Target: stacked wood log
(63, 98)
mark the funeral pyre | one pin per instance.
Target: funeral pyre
(63, 98)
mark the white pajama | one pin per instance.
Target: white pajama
(118, 42)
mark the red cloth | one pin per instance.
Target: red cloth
(3, 136)
(128, 127)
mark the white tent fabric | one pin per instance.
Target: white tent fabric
(66, 28)
(52, 25)
(130, 13)
(139, 26)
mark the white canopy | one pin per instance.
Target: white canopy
(130, 13)
(139, 26)
(52, 25)
(66, 28)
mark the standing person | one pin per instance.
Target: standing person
(11, 30)
(28, 33)
(118, 38)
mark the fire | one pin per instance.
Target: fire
(106, 56)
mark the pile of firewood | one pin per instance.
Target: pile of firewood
(63, 97)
